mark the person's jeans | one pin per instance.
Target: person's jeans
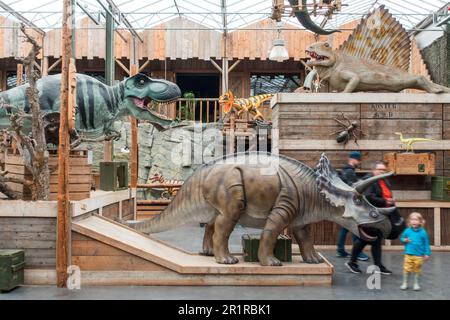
(341, 239)
(358, 247)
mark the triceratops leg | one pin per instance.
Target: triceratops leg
(277, 221)
(208, 248)
(223, 227)
(230, 203)
(302, 235)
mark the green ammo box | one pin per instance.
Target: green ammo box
(12, 263)
(440, 188)
(113, 175)
(250, 245)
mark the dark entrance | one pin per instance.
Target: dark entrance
(201, 85)
(198, 86)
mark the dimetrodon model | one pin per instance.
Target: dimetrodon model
(376, 57)
(97, 104)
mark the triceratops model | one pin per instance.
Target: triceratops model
(272, 192)
(98, 105)
(376, 57)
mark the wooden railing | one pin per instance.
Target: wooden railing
(203, 110)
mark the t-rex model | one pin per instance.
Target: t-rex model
(410, 141)
(272, 192)
(376, 57)
(250, 105)
(97, 105)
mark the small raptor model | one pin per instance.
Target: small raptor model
(97, 105)
(271, 192)
(250, 105)
(376, 57)
(410, 141)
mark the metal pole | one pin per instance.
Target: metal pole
(108, 149)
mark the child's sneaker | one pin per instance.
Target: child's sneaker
(404, 286)
(416, 287)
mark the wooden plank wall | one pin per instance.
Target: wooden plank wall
(91, 254)
(36, 236)
(378, 121)
(314, 121)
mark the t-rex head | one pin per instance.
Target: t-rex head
(142, 94)
(358, 213)
(321, 54)
(226, 101)
(146, 92)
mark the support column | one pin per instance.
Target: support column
(134, 141)
(108, 149)
(63, 216)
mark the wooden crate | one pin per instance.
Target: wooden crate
(80, 180)
(411, 163)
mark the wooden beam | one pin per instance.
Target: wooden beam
(216, 65)
(123, 67)
(234, 65)
(44, 67)
(19, 74)
(437, 226)
(63, 218)
(134, 141)
(54, 65)
(146, 63)
(366, 145)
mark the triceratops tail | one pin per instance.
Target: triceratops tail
(187, 207)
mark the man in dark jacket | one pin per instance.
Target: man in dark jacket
(379, 195)
(349, 176)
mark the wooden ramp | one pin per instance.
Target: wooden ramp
(180, 267)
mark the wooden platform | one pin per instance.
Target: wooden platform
(159, 263)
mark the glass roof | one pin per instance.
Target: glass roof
(216, 14)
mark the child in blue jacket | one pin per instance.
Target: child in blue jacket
(417, 249)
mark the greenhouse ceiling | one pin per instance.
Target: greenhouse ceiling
(220, 15)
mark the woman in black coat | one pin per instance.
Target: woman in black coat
(379, 195)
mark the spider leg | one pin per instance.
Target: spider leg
(340, 122)
(354, 136)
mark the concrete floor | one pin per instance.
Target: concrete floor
(435, 281)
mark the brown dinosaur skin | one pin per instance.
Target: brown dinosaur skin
(346, 73)
(239, 188)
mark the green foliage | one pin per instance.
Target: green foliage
(187, 107)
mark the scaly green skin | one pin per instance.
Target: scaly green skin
(98, 105)
(244, 188)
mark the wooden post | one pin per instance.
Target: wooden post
(44, 67)
(63, 218)
(19, 74)
(134, 140)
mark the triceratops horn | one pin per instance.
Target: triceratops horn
(362, 186)
(386, 211)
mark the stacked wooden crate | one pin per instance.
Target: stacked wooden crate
(305, 124)
(79, 174)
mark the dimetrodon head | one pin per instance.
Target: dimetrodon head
(321, 54)
(142, 94)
